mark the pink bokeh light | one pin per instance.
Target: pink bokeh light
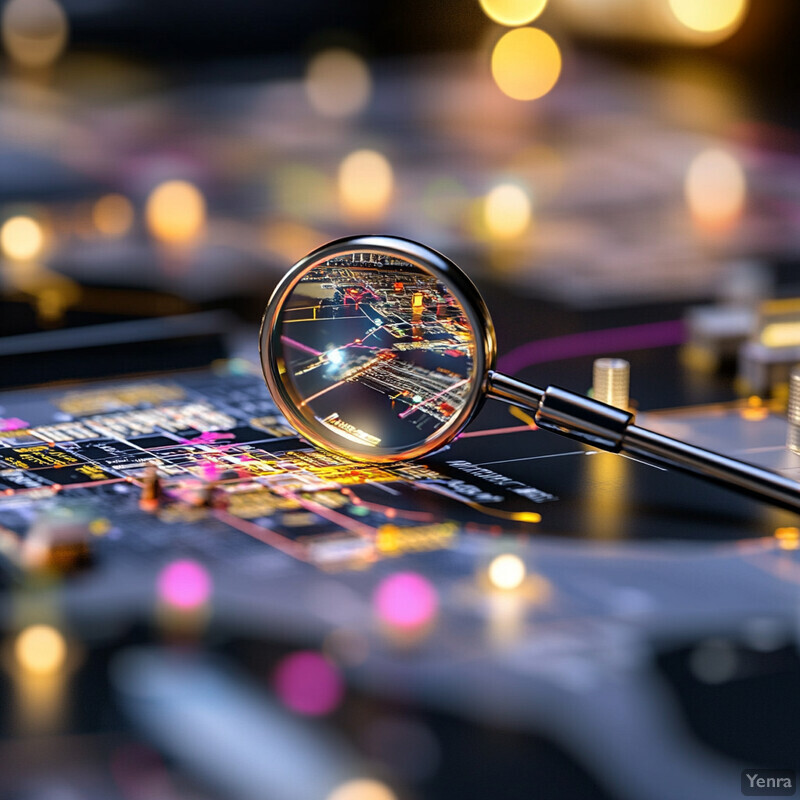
(12, 424)
(306, 682)
(184, 584)
(406, 600)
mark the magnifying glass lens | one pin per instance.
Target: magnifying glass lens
(375, 355)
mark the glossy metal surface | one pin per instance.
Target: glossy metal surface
(715, 467)
(515, 393)
(588, 421)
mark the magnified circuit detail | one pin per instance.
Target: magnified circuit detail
(377, 352)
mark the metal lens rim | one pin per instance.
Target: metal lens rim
(422, 257)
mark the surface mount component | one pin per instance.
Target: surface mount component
(774, 347)
(715, 334)
(150, 497)
(793, 411)
(58, 541)
(611, 381)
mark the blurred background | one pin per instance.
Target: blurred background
(163, 163)
(159, 159)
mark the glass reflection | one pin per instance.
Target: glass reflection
(378, 353)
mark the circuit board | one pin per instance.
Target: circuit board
(225, 455)
(298, 544)
(226, 458)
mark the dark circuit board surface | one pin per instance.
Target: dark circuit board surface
(631, 571)
(226, 458)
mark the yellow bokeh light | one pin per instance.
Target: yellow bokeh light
(362, 789)
(781, 334)
(51, 303)
(34, 31)
(526, 63)
(113, 215)
(99, 527)
(709, 16)
(513, 12)
(506, 572)
(21, 238)
(715, 189)
(506, 211)
(788, 538)
(338, 82)
(40, 649)
(366, 182)
(175, 212)
(754, 414)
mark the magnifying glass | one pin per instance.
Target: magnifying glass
(380, 349)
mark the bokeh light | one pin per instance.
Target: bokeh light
(21, 238)
(506, 211)
(780, 334)
(526, 63)
(709, 16)
(338, 82)
(406, 600)
(54, 299)
(308, 683)
(366, 182)
(362, 789)
(788, 538)
(756, 410)
(99, 526)
(715, 189)
(175, 212)
(184, 584)
(513, 12)
(506, 572)
(113, 215)
(40, 649)
(34, 32)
